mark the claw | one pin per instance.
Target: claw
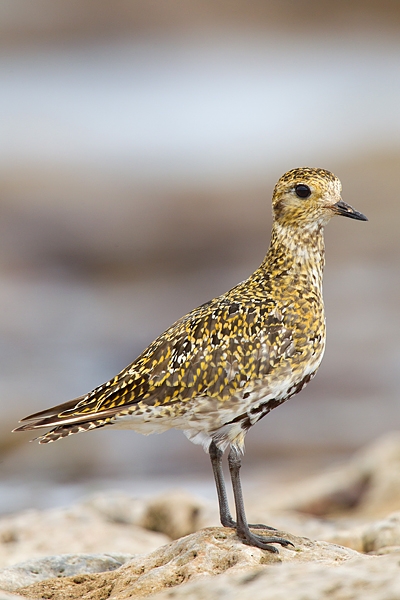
(277, 540)
(274, 540)
(257, 543)
(261, 526)
(263, 542)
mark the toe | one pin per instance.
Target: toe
(261, 526)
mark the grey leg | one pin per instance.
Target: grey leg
(242, 527)
(224, 512)
(216, 462)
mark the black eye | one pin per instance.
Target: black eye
(303, 191)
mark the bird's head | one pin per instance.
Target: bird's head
(309, 198)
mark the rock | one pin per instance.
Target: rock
(213, 562)
(382, 534)
(88, 527)
(358, 579)
(367, 485)
(7, 596)
(116, 507)
(380, 465)
(23, 574)
(388, 550)
(175, 513)
(344, 532)
(198, 556)
(351, 537)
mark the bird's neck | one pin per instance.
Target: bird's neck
(296, 253)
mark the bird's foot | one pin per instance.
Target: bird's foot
(229, 522)
(263, 542)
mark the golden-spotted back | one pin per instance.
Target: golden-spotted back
(226, 364)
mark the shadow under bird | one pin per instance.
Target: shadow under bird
(225, 365)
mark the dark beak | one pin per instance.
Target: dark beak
(341, 208)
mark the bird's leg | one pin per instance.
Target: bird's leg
(216, 462)
(242, 527)
(224, 512)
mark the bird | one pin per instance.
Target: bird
(222, 367)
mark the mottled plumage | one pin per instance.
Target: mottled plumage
(219, 369)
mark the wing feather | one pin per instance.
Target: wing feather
(214, 351)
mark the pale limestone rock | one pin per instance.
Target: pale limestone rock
(201, 555)
(175, 513)
(347, 531)
(387, 550)
(64, 565)
(4, 595)
(367, 485)
(380, 464)
(350, 536)
(382, 534)
(366, 578)
(78, 529)
(116, 507)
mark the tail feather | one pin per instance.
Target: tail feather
(59, 420)
(80, 414)
(54, 410)
(64, 431)
(69, 418)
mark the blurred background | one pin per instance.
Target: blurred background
(139, 144)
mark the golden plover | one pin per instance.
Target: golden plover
(221, 368)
